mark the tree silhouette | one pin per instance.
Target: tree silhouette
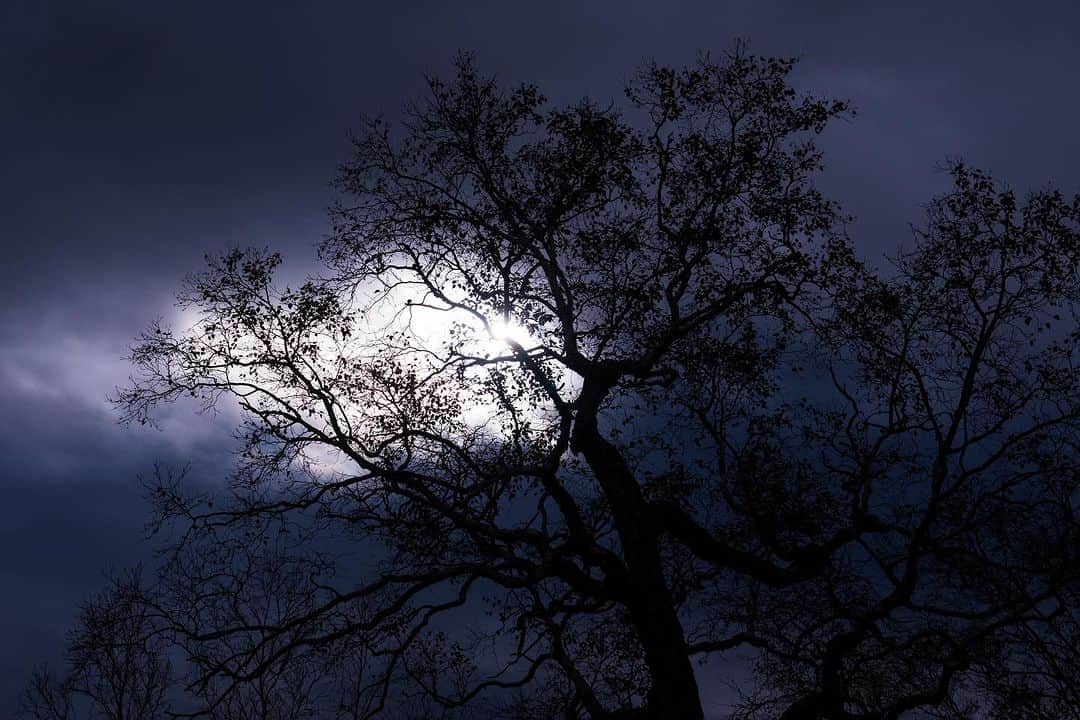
(117, 669)
(590, 393)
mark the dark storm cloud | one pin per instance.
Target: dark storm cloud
(72, 506)
(136, 136)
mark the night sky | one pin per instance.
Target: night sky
(137, 136)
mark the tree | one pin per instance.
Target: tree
(118, 663)
(955, 444)
(596, 393)
(117, 668)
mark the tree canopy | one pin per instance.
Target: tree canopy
(589, 398)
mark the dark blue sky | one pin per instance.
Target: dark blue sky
(135, 136)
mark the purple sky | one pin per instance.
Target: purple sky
(136, 136)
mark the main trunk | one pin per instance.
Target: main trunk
(674, 691)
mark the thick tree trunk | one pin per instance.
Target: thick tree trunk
(674, 690)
